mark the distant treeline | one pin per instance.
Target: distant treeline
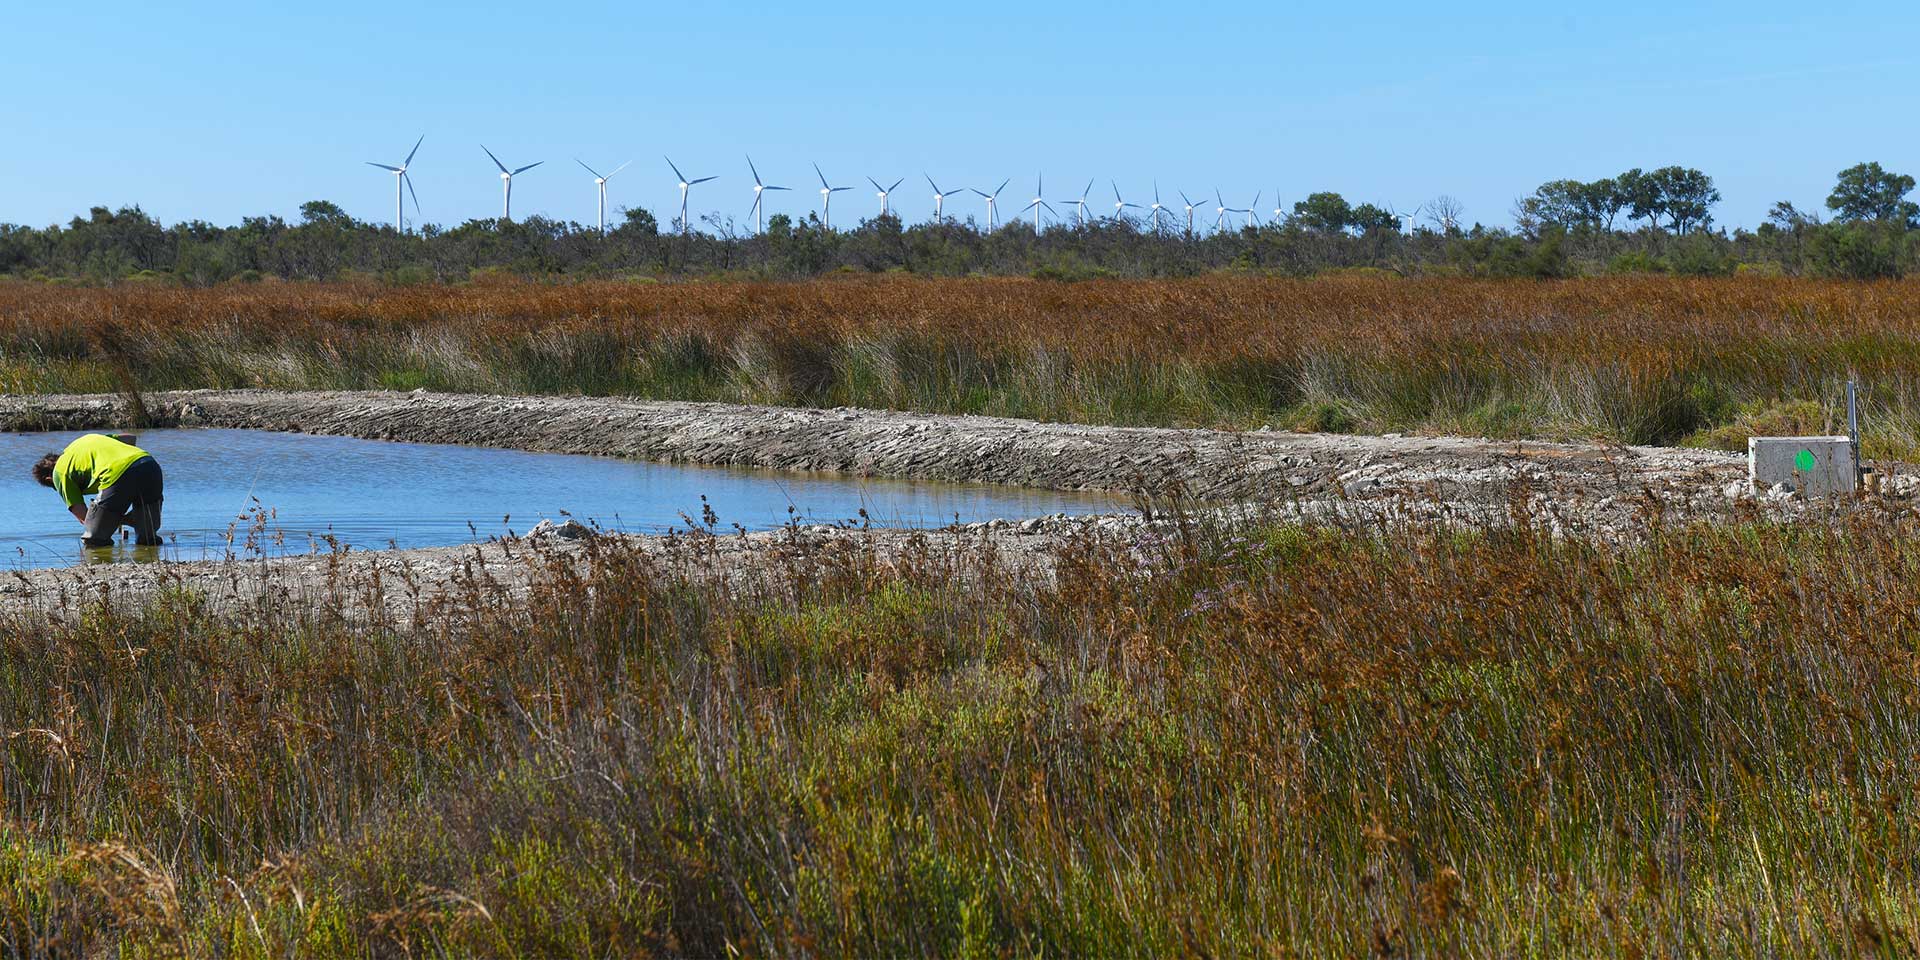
(1658, 221)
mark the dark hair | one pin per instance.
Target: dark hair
(43, 469)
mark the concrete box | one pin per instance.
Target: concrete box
(1810, 466)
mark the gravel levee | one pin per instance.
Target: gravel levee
(1608, 491)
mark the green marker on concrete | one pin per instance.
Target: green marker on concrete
(1804, 461)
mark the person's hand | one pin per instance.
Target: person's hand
(79, 513)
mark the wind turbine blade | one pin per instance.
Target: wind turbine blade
(617, 169)
(529, 166)
(416, 197)
(935, 186)
(1116, 191)
(770, 187)
(756, 171)
(676, 170)
(1002, 186)
(1089, 189)
(978, 191)
(838, 189)
(416, 149)
(701, 180)
(583, 165)
(876, 185)
(496, 160)
(822, 176)
(897, 183)
(382, 166)
(1049, 208)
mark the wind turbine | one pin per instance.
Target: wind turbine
(759, 210)
(1408, 217)
(885, 207)
(601, 182)
(826, 198)
(1252, 210)
(1157, 207)
(1191, 206)
(506, 182)
(400, 177)
(1221, 211)
(1080, 205)
(1120, 206)
(685, 185)
(1279, 210)
(939, 198)
(1039, 188)
(992, 198)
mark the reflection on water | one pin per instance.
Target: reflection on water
(232, 491)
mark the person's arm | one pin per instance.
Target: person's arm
(79, 513)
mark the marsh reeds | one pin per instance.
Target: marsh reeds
(1219, 740)
(1630, 359)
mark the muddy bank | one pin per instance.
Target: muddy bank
(1207, 464)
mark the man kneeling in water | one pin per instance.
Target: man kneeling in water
(126, 478)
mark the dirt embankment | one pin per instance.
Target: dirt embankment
(1609, 491)
(1204, 464)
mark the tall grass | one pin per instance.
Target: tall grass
(1271, 740)
(1655, 360)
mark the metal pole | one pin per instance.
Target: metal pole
(1853, 429)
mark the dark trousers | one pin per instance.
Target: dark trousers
(132, 501)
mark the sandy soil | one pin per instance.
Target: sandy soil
(1609, 491)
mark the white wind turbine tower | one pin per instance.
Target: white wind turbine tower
(1279, 209)
(1039, 188)
(826, 198)
(1220, 212)
(601, 182)
(993, 198)
(759, 210)
(1408, 218)
(1157, 207)
(1191, 206)
(885, 207)
(1252, 210)
(685, 185)
(939, 199)
(506, 182)
(400, 177)
(1080, 205)
(1120, 206)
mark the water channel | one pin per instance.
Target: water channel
(296, 493)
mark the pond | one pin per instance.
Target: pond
(294, 491)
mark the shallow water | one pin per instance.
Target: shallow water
(222, 485)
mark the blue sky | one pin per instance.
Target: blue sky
(218, 111)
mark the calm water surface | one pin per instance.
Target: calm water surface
(371, 495)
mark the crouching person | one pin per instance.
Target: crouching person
(126, 478)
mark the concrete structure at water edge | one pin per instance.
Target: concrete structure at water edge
(1809, 466)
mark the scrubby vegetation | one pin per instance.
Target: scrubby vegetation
(1636, 359)
(1260, 740)
(1640, 221)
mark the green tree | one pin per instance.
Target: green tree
(1640, 196)
(1866, 192)
(1684, 195)
(1323, 212)
(324, 212)
(1367, 218)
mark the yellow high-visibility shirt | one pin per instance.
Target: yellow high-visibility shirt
(92, 464)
